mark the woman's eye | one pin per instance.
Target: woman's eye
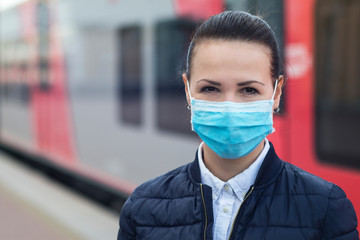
(249, 91)
(209, 89)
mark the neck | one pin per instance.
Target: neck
(226, 169)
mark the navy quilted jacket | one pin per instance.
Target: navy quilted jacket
(284, 203)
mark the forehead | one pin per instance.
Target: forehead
(231, 57)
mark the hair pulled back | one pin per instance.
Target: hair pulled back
(236, 25)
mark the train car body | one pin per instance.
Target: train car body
(97, 88)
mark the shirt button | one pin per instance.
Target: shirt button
(226, 210)
(226, 187)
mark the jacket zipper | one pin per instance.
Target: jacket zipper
(247, 195)
(203, 201)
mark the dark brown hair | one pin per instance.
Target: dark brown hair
(236, 25)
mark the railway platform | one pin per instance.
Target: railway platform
(34, 207)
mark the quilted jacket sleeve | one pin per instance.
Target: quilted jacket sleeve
(340, 221)
(127, 226)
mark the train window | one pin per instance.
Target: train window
(130, 91)
(338, 82)
(43, 22)
(172, 39)
(272, 12)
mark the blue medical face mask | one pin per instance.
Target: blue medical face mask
(232, 130)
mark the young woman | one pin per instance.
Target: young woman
(237, 187)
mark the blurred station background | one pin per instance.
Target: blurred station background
(91, 91)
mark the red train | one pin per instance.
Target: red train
(95, 88)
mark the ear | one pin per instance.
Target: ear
(185, 80)
(278, 92)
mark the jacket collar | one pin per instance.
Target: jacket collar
(269, 169)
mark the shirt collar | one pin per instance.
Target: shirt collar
(240, 183)
(207, 177)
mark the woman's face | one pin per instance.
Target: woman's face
(235, 71)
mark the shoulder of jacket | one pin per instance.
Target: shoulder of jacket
(172, 184)
(310, 184)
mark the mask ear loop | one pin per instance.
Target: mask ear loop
(188, 90)
(189, 105)
(276, 82)
(277, 109)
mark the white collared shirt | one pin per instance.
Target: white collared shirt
(228, 196)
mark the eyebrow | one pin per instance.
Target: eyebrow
(239, 84)
(211, 82)
(249, 82)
